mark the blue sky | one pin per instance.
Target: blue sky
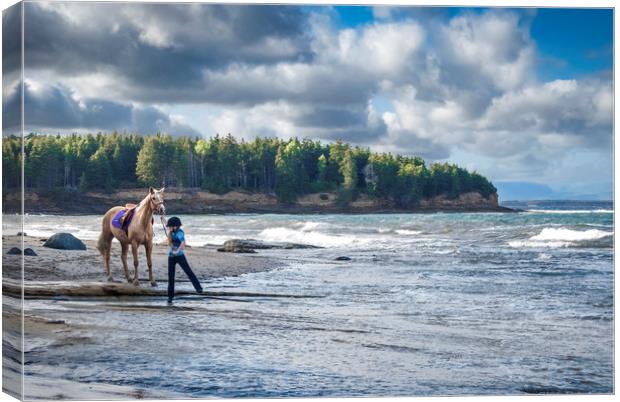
(519, 95)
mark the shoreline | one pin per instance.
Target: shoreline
(87, 265)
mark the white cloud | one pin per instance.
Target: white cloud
(493, 45)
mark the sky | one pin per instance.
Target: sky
(522, 95)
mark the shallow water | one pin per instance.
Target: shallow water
(430, 304)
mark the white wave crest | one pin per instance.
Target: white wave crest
(572, 211)
(314, 238)
(310, 226)
(563, 234)
(560, 237)
(407, 232)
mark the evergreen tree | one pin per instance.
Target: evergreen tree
(98, 173)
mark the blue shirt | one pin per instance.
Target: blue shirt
(177, 237)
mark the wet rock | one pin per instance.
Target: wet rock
(15, 251)
(250, 245)
(343, 258)
(29, 251)
(64, 241)
(235, 248)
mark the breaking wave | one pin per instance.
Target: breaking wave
(407, 232)
(306, 236)
(562, 237)
(571, 211)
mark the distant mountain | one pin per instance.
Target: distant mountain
(523, 191)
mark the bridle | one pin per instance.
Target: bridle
(157, 205)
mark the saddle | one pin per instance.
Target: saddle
(123, 218)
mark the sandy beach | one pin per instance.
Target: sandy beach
(84, 271)
(74, 265)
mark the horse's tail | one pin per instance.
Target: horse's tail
(105, 237)
(102, 244)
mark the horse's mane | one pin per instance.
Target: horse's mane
(141, 203)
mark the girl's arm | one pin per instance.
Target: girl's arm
(181, 247)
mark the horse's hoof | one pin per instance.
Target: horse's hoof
(154, 284)
(110, 279)
(136, 282)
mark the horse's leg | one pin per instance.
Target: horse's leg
(104, 245)
(149, 261)
(134, 251)
(106, 259)
(125, 249)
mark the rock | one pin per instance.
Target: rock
(236, 249)
(64, 241)
(15, 251)
(343, 258)
(29, 251)
(22, 234)
(250, 245)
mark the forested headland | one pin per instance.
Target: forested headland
(287, 168)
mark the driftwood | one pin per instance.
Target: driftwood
(40, 289)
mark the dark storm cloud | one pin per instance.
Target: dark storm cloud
(330, 118)
(163, 45)
(54, 107)
(11, 39)
(11, 70)
(11, 109)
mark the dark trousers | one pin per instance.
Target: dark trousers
(182, 261)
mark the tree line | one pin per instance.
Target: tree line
(288, 168)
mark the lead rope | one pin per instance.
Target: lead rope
(163, 226)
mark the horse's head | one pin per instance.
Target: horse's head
(156, 198)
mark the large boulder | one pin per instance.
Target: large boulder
(64, 241)
(15, 251)
(251, 245)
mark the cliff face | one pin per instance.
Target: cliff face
(197, 201)
(463, 202)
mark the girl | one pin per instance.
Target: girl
(176, 240)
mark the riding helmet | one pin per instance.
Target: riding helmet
(174, 221)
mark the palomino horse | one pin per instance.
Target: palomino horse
(139, 232)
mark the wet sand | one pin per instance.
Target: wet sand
(84, 270)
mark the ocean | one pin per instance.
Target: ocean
(429, 304)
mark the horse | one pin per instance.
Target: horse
(138, 232)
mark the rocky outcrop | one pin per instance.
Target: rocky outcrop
(64, 241)
(467, 201)
(251, 245)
